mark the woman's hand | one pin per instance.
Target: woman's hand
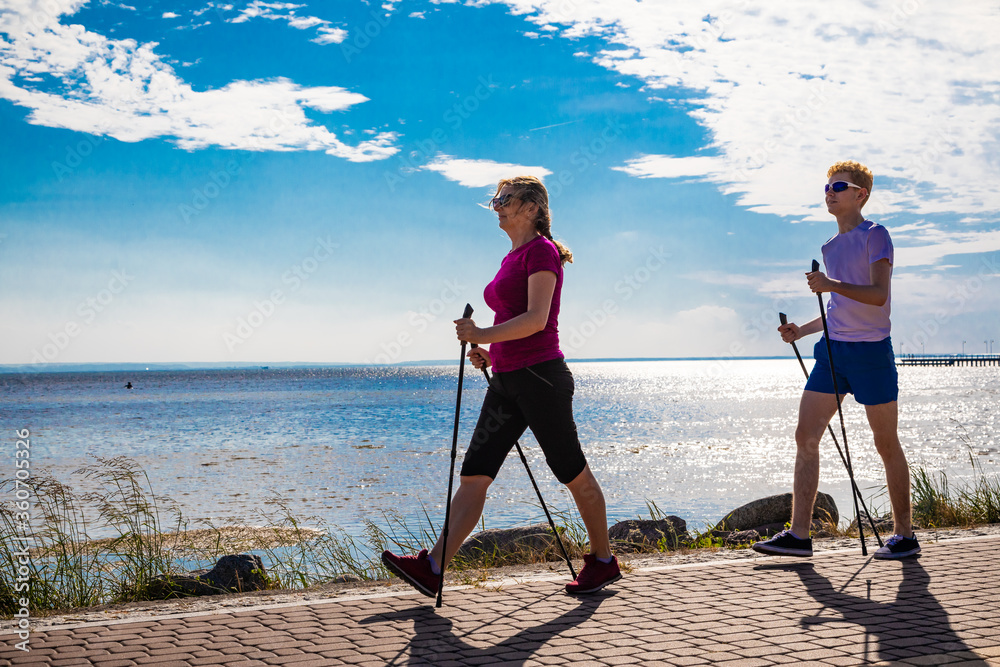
(480, 358)
(467, 330)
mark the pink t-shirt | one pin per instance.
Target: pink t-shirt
(848, 258)
(507, 296)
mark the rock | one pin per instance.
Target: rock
(646, 534)
(497, 546)
(231, 574)
(776, 510)
(735, 538)
(769, 529)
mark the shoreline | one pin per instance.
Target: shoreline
(494, 579)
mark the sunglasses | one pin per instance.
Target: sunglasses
(501, 201)
(839, 186)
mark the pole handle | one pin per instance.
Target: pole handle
(783, 318)
(815, 266)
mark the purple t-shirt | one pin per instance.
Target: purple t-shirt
(848, 257)
(507, 296)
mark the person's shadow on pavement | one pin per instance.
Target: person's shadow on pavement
(435, 642)
(913, 623)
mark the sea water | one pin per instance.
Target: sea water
(337, 445)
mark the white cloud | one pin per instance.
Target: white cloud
(170, 15)
(328, 35)
(664, 166)
(268, 10)
(285, 11)
(939, 244)
(123, 89)
(706, 330)
(480, 173)
(783, 92)
(787, 284)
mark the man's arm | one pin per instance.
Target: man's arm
(792, 332)
(875, 294)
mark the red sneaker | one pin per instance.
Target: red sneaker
(414, 570)
(595, 575)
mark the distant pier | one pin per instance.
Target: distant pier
(948, 360)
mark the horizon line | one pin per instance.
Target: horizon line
(102, 366)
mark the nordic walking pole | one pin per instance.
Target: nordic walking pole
(451, 473)
(854, 487)
(548, 516)
(840, 411)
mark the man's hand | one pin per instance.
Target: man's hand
(789, 332)
(818, 282)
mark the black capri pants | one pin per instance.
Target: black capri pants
(539, 397)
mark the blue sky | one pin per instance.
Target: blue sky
(199, 181)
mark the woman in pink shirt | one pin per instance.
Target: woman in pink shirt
(531, 387)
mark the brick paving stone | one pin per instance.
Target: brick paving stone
(744, 662)
(163, 660)
(131, 655)
(690, 660)
(839, 660)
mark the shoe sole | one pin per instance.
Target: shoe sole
(782, 551)
(594, 590)
(892, 556)
(389, 565)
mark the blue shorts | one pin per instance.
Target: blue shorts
(867, 370)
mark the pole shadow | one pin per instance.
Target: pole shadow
(434, 641)
(915, 623)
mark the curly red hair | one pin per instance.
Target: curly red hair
(859, 173)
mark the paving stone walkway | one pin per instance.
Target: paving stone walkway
(837, 608)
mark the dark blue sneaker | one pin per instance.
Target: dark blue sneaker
(898, 546)
(785, 544)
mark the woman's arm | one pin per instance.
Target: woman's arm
(541, 287)
(875, 294)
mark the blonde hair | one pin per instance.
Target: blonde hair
(859, 173)
(531, 190)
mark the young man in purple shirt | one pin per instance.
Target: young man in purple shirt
(858, 261)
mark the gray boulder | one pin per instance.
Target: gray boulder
(645, 534)
(737, 538)
(497, 546)
(231, 574)
(767, 513)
